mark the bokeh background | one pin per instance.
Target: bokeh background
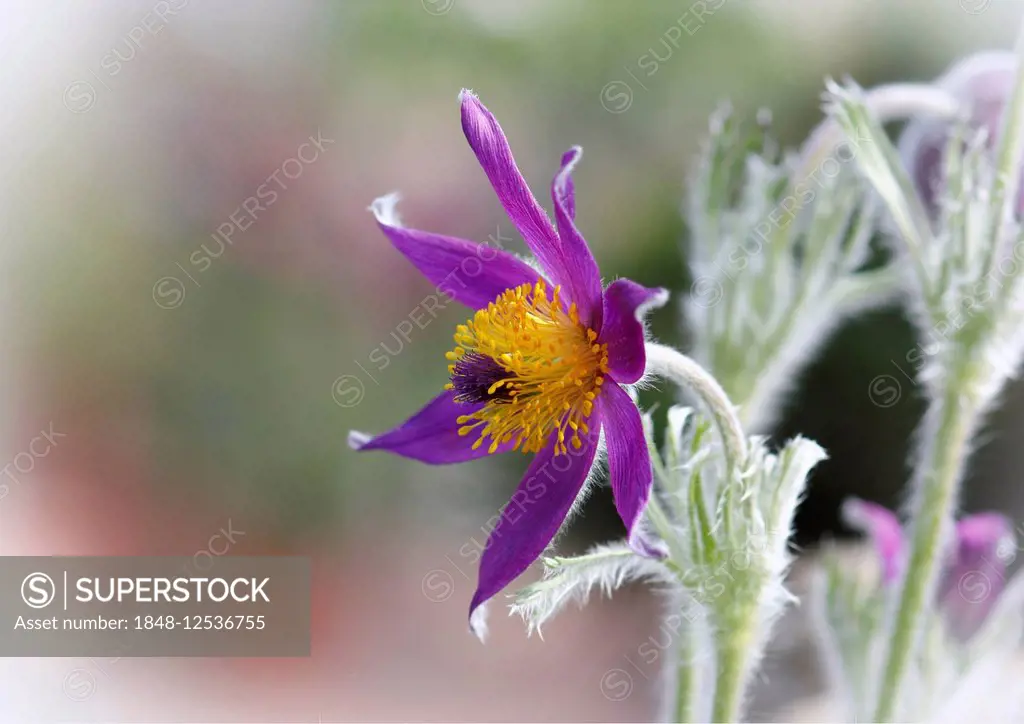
(194, 387)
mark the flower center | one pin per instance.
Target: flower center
(536, 368)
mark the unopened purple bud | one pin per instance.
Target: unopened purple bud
(976, 576)
(982, 83)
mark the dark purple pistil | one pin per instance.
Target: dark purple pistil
(474, 376)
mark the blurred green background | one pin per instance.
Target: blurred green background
(199, 381)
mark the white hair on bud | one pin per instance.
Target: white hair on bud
(478, 622)
(658, 299)
(356, 439)
(385, 209)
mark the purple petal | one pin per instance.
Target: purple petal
(629, 462)
(430, 436)
(473, 274)
(533, 516)
(625, 305)
(648, 545)
(582, 277)
(885, 531)
(977, 576)
(492, 151)
(982, 82)
(563, 190)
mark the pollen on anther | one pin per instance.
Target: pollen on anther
(532, 367)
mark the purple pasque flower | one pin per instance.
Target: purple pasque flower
(538, 367)
(975, 572)
(982, 83)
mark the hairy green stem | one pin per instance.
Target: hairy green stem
(686, 680)
(732, 666)
(946, 439)
(676, 366)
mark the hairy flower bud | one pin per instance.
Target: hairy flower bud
(982, 83)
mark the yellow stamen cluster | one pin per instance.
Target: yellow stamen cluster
(555, 369)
